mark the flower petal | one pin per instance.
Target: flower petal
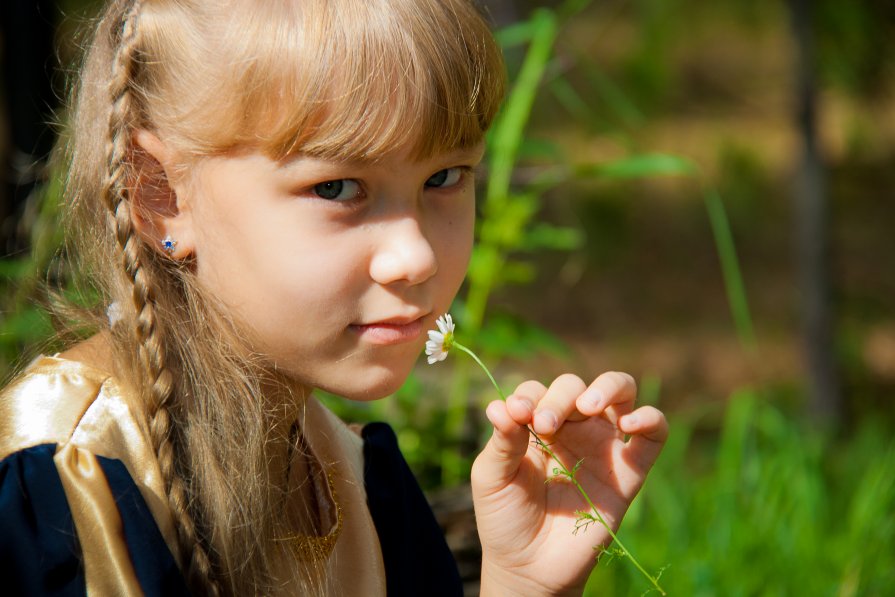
(440, 341)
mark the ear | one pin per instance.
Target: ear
(160, 208)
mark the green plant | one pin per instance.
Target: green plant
(765, 505)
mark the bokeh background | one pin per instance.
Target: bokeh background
(698, 193)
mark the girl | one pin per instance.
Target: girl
(274, 197)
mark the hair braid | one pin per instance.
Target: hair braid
(158, 381)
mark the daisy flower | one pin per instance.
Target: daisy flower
(440, 342)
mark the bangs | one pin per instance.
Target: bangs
(358, 79)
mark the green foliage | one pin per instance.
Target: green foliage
(646, 72)
(781, 509)
(856, 45)
(24, 322)
(744, 500)
(639, 166)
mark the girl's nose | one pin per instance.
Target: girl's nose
(403, 254)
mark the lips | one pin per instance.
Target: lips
(394, 330)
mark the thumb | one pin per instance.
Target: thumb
(499, 461)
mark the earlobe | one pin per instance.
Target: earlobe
(160, 211)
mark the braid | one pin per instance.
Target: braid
(158, 381)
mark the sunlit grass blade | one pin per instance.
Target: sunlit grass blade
(730, 269)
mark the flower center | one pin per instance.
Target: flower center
(448, 342)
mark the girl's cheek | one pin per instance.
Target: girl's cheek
(457, 243)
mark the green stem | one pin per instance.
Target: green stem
(564, 471)
(482, 365)
(571, 476)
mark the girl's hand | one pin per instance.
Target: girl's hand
(526, 524)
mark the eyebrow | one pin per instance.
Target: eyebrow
(455, 155)
(476, 153)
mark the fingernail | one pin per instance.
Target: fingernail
(593, 397)
(631, 420)
(546, 421)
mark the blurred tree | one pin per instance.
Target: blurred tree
(812, 244)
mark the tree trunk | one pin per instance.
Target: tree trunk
(812, 235)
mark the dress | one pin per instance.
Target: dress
(82, 508)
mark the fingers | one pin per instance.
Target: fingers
(545, 409)
(558, 404)
(568, 398)
(500, 459)
(521, 404)
(648, 430)
(612, 393)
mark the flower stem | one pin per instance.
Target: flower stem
(570, 474)
(564, 471)
(482, 365)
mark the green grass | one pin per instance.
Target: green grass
(765, 506)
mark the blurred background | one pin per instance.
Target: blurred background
(698, 193)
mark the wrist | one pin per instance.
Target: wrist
(499, 582)
(495, 583)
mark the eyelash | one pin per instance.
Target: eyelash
(462, 174)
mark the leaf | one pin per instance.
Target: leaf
(508, 129)
(517, 272)
(640, 166)
(515, 34)
(483, 266)
(534, 147)
(504, 226)
(558, 238)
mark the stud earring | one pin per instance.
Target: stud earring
(168, 245)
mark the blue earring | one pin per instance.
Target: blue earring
(168, 245)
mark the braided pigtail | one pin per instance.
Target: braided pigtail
(208, 77)
(158, 382)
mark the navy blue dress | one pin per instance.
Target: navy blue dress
(40, 555)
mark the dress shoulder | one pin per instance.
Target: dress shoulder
(45, 403)
(82, 507)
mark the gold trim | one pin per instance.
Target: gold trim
(108, 569)
(316, 548)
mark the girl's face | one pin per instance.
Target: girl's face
(337, 269)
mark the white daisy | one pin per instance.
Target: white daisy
(441, 341)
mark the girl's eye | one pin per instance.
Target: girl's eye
(445, 178)
(338, 190)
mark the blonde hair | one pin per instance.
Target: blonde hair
(339, 79)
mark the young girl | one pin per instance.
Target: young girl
(273, 197)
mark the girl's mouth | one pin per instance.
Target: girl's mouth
(387, 333)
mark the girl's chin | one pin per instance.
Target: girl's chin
(368, 385)
(364, 394)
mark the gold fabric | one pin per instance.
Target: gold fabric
(107, 566)
(355, 566)
(86, 414)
